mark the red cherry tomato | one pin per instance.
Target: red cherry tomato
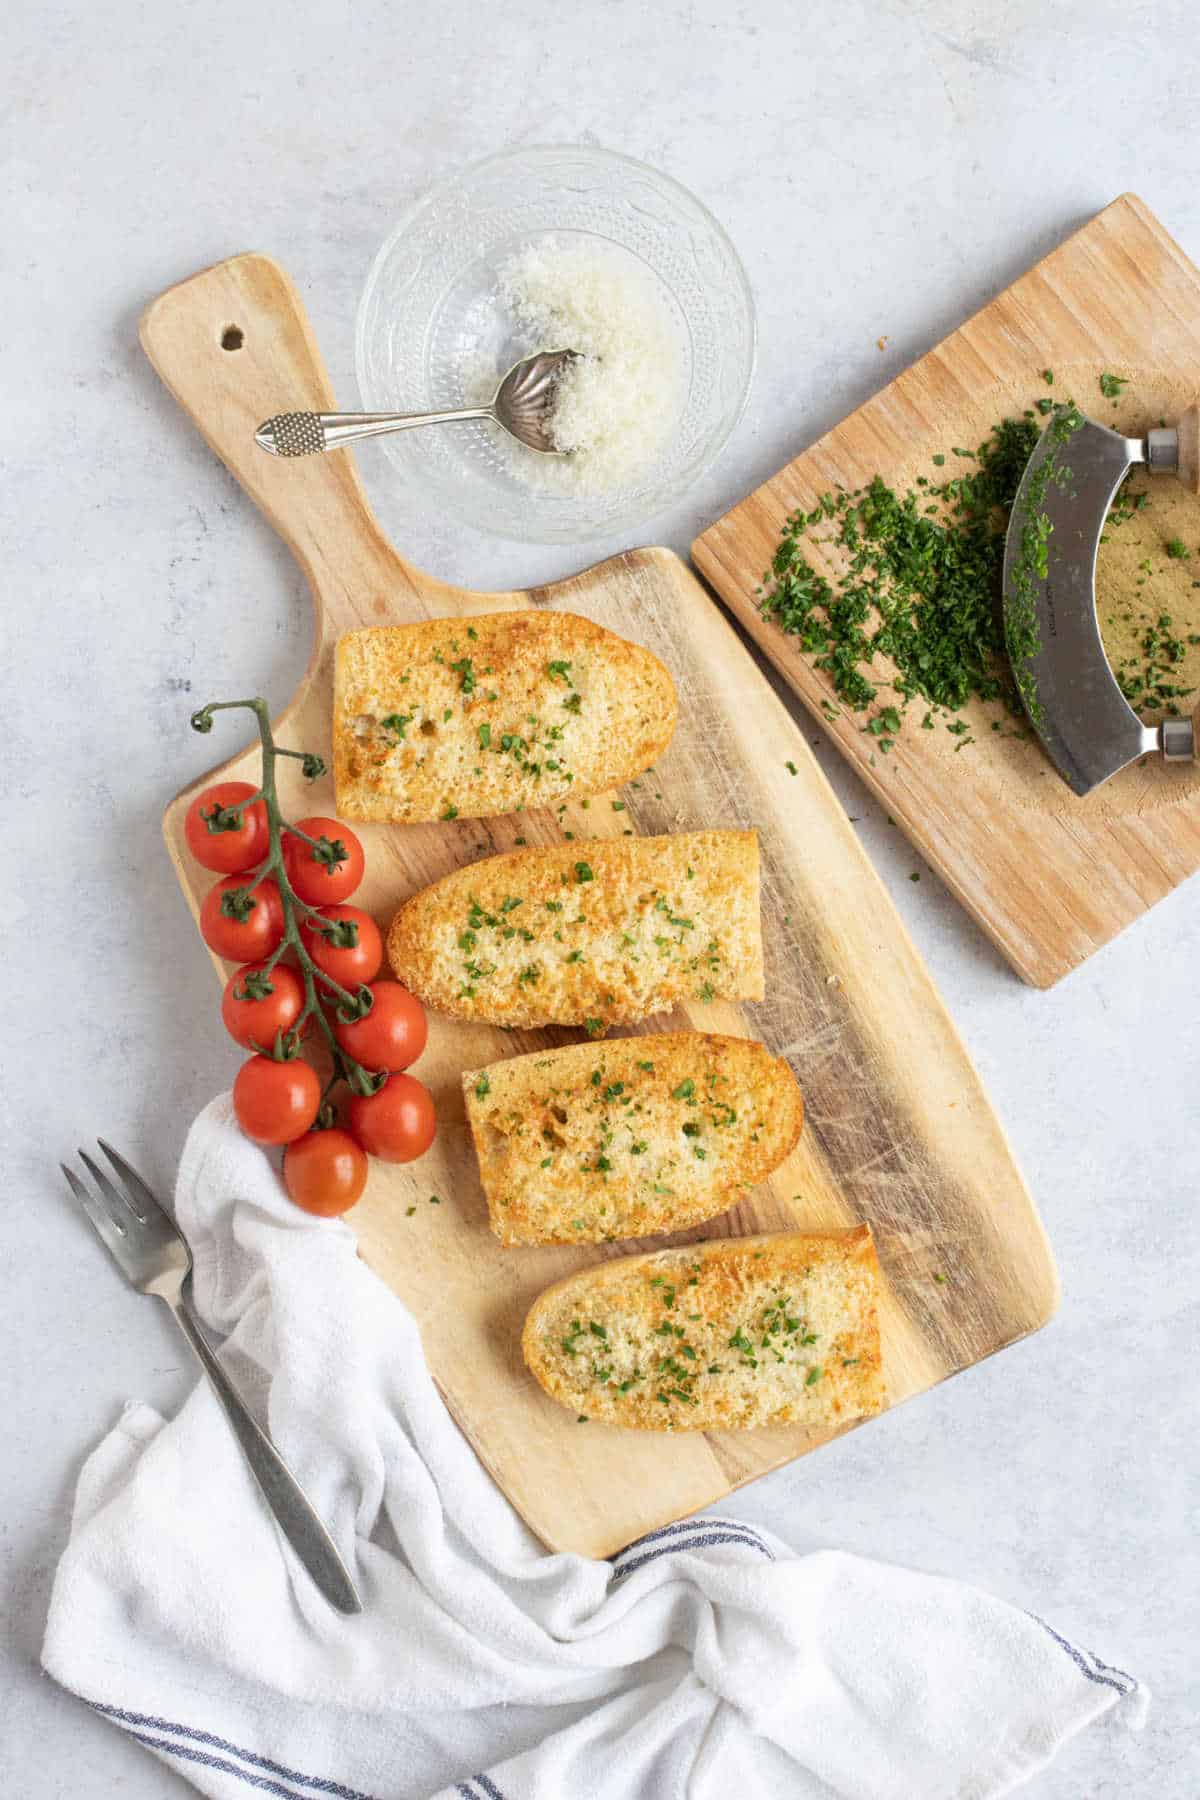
(218, 837)
(393, 1033)
(252, 937)
(316, 879)
(275, 1101)
(398, 1123)
(252, 1017)
(325, 1172)
(351, 965)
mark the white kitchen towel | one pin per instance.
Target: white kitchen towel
(704, 1660)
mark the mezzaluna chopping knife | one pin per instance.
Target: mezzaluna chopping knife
(1071, 695)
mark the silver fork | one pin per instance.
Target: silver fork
(153, 1255)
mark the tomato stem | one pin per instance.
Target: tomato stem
(358, 1079)
(274, 956)
(295, 831)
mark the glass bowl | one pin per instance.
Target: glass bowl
(431, 310)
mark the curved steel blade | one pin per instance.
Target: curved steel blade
(1071, 695)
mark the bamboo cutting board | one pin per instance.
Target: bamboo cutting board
(1049, 876)
(898, 1132)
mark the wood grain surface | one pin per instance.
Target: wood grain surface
(1049, 876)
(898, 1132)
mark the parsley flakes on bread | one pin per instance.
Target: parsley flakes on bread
(474, 717)
(717, 1336)
(629, 1137)
(591, 933)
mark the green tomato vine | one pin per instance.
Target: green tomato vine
(240, 901)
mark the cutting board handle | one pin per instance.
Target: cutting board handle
(234, 346)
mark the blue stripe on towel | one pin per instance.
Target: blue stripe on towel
(717, 1534)
(1108, 1668)
(746, 1533)
(317, 1783)
(1102, 1675)
(208, 1761)
(489, 1787)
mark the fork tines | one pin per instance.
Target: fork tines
(124, 1212)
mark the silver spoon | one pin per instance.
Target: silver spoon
(523, 404)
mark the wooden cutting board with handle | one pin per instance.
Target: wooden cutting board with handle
(899, 1131)
(1049, 876)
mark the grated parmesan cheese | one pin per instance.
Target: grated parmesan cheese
(618, 405)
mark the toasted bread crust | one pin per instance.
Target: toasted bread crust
(625, 1138)
(718, 1336)
(476, 717)
(593, 933)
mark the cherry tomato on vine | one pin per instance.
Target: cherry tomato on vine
(324, 873)
(398, 1123)
(351, 965)
(392, 1034)
(256, 1005)
(325, 1172)
(276, 1101)
(245, 928)
(219, 837)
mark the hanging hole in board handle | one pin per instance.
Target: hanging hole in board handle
(232, 338)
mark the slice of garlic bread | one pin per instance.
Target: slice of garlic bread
(628, 1137)
(595, 933)
(472, 717)
(721, 1336)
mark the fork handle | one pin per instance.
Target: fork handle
(283, 1494)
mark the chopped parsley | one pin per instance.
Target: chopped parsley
(917, 582)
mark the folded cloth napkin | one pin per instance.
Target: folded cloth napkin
(705, 1655)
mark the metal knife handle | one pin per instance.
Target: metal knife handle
(1177, 739)
(297, 1520)
(1175, 449)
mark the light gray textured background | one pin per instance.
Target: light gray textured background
(883, 168)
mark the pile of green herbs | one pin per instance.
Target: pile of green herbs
(918, 581)
(920, 584)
